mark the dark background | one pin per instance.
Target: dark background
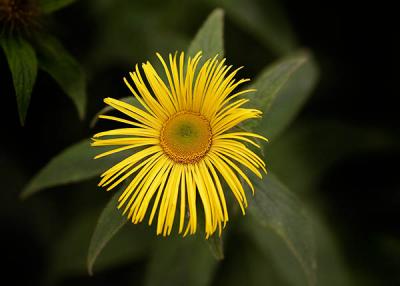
(354, 104)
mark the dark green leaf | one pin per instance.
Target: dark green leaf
(74, 164)
(273, 206)
(245, 264)
(216, 245)
(109, 224)
(69, 252)
(215, 242)
(151, 27)
(66, 71)
(266, 20)
(282, 89)
(332, 267)
(129, 99)
(209, 39)
(180, 261)
(50, 6)
(23, 65)
(275, 249)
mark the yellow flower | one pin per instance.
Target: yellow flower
(185, 144)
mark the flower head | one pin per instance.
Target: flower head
(18, 15)
(184, 142)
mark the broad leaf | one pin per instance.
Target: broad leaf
(68, 257)
(74, 164)
(180, 261)
(216, 246)
(332, 267)
(215, 242)
(209, 39)
(66, 71)
(266, 20)
(50, 6)
(246, 264)
(23, 65)
(109, 223)
(273, 206)
(282, 89)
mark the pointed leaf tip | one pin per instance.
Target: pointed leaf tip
(23, 65)
(65, 69)
(110, 222)
(210, 37)
(282, 89)
(50, 6)
(74, 164)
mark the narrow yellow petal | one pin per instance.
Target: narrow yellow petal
(184, 142)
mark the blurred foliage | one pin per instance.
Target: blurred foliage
(273, 206)
(27, 47)
(273, 244)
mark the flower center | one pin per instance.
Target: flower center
(186, 137)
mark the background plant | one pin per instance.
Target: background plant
(28, 46)
(322, 157)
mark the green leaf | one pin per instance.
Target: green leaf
(110, 222)
(74, 164)
(23, 65)
(129, 99)
(249, 266)
(50, 6)
(215, 242)
(180, 261)
(332, 267)
(275, 248)
(282, 90)
(266, 20)
(209, 39)
(66, 71)
(273, 206)
(68, 257)
(216, 246)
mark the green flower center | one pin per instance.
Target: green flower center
(186, 137)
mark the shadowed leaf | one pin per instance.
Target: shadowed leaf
(215, 242)
(109, 224)
(209, 39)
(23, 66)
(282, 89)
(74, 164)
(180, 261)
(50, 6)
(273, 206)
(266, 20)
(66, 71)
(69, 253)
